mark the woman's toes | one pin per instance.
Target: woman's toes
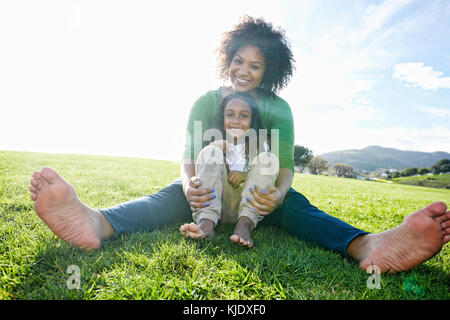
(36, 175)
(36, 183)
(446, 238)
(33, 189)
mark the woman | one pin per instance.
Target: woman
(257, 59)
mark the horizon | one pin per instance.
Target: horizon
(179, 161)
(437, 151)
(107, 78)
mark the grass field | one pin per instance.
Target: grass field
(163, 265)
(434, 181)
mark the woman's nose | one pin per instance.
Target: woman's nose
(243, 71)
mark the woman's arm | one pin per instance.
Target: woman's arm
(199, 119)
(187, 171)
(284, 182)
(279, 118)
(196, 196)
(266, 203)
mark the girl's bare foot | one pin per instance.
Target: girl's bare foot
(242, 232)
(57, 204)
(418, 238)
(205, 229)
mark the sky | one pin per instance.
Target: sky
(119, 77)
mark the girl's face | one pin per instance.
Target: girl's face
(237, 118)
(247, 69)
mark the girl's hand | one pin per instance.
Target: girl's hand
(222, 144)
(265, 201)
(236, 177)
(196, 196)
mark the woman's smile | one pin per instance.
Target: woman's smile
(247, 69)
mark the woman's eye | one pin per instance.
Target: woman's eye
(255, 67)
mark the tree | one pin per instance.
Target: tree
(440, 166)
(423, 171)
(408, 172)
(317, 165)
(344, 170)
(302, 156)
(395, 174)
(445, 168)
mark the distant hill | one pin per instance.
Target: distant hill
(375, 157)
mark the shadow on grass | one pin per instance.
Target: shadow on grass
(163, 265)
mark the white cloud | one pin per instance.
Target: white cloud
(378, 15)
(434, 138)
(436, 112)
(328, 77)
(419, 75)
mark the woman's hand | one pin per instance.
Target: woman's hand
(265, 201)
(236, 177)
(196, 196)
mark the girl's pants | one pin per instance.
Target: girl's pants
(296, 215)
(230, 204)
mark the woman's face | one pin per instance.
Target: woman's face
(247, 69)
(237, 118)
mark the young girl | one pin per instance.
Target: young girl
(232, 167)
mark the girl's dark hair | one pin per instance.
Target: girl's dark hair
(273, 45)
(255, 124)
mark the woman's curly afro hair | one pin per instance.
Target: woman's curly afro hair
(272, 44)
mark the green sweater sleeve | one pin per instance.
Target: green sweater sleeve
(201, 118)
(277, 114)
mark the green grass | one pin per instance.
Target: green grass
(163, 265)
(434, 181)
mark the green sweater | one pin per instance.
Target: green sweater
(275, 114)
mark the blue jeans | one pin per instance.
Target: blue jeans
(296, 215)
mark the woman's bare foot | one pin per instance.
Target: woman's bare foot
(418, 238)
(57, 204)
(205, 229)
(242, 232)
